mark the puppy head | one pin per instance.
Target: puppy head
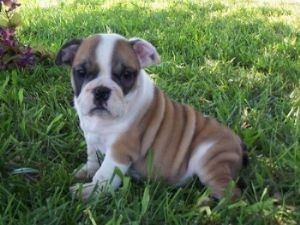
(105, 71)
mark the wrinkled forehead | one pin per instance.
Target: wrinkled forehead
(106, 51)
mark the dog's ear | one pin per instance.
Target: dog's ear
(67, 52)
(145, 52)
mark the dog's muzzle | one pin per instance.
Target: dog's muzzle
(101, 96)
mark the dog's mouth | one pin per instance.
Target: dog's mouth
(99, 110)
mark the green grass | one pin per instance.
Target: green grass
(237, 62)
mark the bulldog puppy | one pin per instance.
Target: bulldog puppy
(125, 116)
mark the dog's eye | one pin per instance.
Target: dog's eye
(127, 75)
(81, 72)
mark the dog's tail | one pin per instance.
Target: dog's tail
(245, 162)
(245, 154)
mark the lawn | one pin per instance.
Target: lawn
(238, 61)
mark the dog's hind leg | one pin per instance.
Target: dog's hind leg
(218, 180)
(217, 165)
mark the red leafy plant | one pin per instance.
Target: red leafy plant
(12, 53)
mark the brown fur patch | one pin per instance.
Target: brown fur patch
(124, 62)
(85, 61)
(87, 52)
(173, 132)
(123, 53)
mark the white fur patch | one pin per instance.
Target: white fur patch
(196, 161)
(101, 178)
(106, 172)
(104, 52)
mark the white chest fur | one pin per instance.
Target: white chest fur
(100, 134)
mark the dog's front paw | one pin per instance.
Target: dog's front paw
(85, 173)
(82, 174)
(85, 191)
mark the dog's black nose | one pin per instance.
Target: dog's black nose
(102, 93)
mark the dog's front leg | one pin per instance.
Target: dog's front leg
(102, 177)
(89, 169)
